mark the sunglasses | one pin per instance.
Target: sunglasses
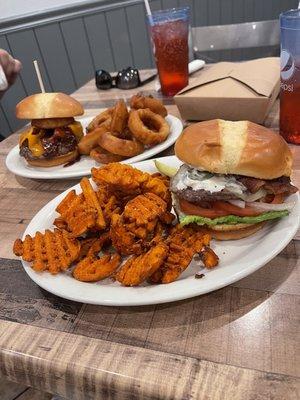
(128, 78)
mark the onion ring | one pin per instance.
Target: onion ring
(122, 147)
(138, 101)
(90, 140)
(119, 118)
(148, 127)
(103, 156)
(99, 119)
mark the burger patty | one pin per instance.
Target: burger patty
(55, 143)
(251, 185)
(197, 196)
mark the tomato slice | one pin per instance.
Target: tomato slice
(193, 209)
(219, 209)
(235, 210)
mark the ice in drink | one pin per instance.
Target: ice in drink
(169, 33)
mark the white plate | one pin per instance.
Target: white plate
(237, 260)
(18, 165)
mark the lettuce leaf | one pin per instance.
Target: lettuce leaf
(230, 219)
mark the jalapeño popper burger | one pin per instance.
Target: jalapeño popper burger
(53, 136)
(235, 176)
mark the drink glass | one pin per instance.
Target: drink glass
(290, 76)
(169, 32)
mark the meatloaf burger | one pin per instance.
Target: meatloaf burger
(53, 136)
(235, 176)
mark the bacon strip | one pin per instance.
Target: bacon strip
(274, 186)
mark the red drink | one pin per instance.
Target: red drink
(169, 32)
(290, 108)
(290, 76)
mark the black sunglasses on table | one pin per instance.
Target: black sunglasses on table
(127, 78)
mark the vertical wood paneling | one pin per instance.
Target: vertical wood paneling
(14, 94)
(249, 10)
(119, 36)
(237, 11)
(201, 12)
(99, 41)
(78, 50)
(214, 12)
(55, 57)
(4, 126)
(156, 5)
(226, 11)
(169, 4)
(24, 45)
(189, 3)
(139, 39)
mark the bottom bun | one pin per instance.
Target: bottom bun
(52, 162)
(234, 232)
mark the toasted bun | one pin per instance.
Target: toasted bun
(48, 105)
(52, 123)
(241, 147)
(234, 232)
(52, 162)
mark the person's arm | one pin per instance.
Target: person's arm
(11, 68)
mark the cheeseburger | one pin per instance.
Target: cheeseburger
(53, 136)
(235, 176)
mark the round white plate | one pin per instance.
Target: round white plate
(18, 165)
(237, 259)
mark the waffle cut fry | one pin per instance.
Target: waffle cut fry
(81, 212)
(51, 251)
(132, 231)
(92, 269)
(183, 244)
(138, 268)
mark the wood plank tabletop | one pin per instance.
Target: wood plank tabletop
(240, 342)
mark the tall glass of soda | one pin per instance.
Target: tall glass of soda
(169, 32)
(290, 76)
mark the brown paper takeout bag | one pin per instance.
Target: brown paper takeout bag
(232, 91)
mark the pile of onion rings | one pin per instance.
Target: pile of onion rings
(116, 133)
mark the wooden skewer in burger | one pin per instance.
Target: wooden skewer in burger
(53, 137)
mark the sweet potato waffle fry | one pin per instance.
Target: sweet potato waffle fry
(92, 201)
(80, 212)
(137, 269)
(129, 211)
(124, 180)
(132, 231)
(91, 269)
(51, 251)
(76, 213)
(183, 244)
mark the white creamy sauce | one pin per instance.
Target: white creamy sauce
(211, 183)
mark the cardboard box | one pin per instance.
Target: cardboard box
(232, 91)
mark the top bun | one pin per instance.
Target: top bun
(241, 148)
(48, 105)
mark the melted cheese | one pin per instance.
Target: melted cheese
(76, 128)
(34, 143)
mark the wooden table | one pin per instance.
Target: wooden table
(239, 342)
